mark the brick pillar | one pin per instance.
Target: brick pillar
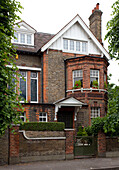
(14, 145)
(69, 148)
(101, 144)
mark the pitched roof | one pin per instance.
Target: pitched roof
(78, 19)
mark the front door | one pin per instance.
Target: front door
(66, 116)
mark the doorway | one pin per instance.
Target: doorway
(66, 115)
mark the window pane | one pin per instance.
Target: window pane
(33, 89)
(16, 35)
(22, 38)
(43, 117)
(83, 46)
(77, 46)
(94, 75)
(71, 45)
(23, 88)
(65, 45)
(78, 75)
(28, 39)
(33, 74)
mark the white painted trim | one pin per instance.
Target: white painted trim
(69, 129)
(86, 89)
(77, 18)
(41, 138)
(26, 68)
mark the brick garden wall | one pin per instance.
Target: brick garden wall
(4, 150)
(41, 149)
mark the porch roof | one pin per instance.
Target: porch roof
(69, 101)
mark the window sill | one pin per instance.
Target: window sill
(87, 89)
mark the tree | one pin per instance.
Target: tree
(113, 99)
(110, 123)
(113, 32)
(10, 106)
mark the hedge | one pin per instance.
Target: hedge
(43, 126)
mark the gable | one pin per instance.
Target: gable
(76, 33)
(24, 27)
(76, 29)
(71, 101)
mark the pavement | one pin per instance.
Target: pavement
(76, 164)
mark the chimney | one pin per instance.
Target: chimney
(95, 22)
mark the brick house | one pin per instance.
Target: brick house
(51, 64)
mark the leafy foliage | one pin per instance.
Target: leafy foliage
(43, 126)
(110, 123)
(9, 99)
(95, 83)
(113, 32)
(113, 99)
(81, 131)
(77, 84)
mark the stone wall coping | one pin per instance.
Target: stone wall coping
(69, 129)
(86, 89)
(41, 138)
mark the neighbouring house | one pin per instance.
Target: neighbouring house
(65, 73)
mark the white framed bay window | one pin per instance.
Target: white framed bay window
(94, 76)
(95, 112)
(78, 75)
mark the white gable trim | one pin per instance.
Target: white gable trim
(78, 19)
(28, 28)
(68, 102)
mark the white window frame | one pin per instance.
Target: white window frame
(18, 41)
(95, 112)
(77, 72)
(26, 84)
(43, 116)
(17, 37)
(81, 51)
(94, 76)
(30, 38)
(37, 86)
(23, 116)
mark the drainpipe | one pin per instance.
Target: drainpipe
(42, 78)
(65, 77)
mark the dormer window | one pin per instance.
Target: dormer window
(24, 34)
(22, 38)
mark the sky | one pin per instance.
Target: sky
(50, 16)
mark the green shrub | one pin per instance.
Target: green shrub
(105, 85)
(95, 83)
(77, 84)
(89, 131)
(43, 126)
(81, 131)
